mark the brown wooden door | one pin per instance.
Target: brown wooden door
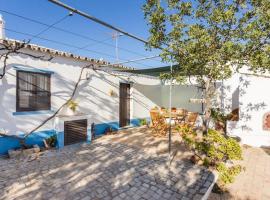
(124, 105)
(75, 131)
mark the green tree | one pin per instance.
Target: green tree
(206, 38)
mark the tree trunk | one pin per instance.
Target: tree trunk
(208, 94)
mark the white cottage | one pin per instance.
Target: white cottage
(34, 87)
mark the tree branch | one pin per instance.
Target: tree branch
(60, 108)
(9, 49)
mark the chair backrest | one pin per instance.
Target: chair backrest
(173, 109)
(181, 111)
(154, 114)
(163, 111)
(191, 117)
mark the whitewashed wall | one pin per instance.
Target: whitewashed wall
(254, 102)
(93, 94)
(181, 94)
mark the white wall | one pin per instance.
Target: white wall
(181, 94)
(93, 95)
(254, 103)
(228, 94)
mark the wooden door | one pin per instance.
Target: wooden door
(75, 131)
(124, 105)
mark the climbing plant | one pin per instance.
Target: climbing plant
(16, 48)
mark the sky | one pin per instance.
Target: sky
(95, 41)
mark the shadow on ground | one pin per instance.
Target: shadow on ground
(106, 169)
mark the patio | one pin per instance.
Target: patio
(254, 182)
(129, 165)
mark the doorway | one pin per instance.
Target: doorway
(124, 105)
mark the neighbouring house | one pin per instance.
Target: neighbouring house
(39, 80)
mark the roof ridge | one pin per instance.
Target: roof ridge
(36, 47)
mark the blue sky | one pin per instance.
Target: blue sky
(124, 14)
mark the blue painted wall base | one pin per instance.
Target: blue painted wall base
(7, 143)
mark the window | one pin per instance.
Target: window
(33, 91)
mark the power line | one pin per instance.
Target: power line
(126, 33)
(50, 26)
(70, 45)
(92, 18)
(135, 60)
(73, 33)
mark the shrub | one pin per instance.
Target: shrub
(214, 150)
(219, 118)
(228, 174)
(51, 141)
(142, 122)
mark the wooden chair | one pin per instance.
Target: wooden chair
(181, 115)
(173, 109)
(191, 119)
(158, 123)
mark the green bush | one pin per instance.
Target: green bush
(228, 174)
(142, 122)
(51, 141)
(214, 150)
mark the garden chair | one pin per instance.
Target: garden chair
(191, 119)
(158, 123)
(181, 115)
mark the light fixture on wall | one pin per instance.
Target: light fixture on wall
(112, 93)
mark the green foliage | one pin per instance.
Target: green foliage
(51, 141)
(207, 37)
(210, 40)
(218, 116)
(142, 122)
(215, 150)
(72, 105)
(228, 174)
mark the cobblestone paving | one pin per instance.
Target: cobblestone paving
(102, 170)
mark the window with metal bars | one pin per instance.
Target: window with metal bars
(33, 91)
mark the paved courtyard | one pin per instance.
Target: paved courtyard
(254, 182)
(109, 168)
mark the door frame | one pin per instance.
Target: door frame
(126, 121)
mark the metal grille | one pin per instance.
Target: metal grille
(75, 131)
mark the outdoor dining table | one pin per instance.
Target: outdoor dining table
(176, 118)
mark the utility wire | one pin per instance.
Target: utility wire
(74, 34)
(50, 26)
(98, 20)
(70, 45)
(134, 60)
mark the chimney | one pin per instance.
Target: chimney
(2, 28)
